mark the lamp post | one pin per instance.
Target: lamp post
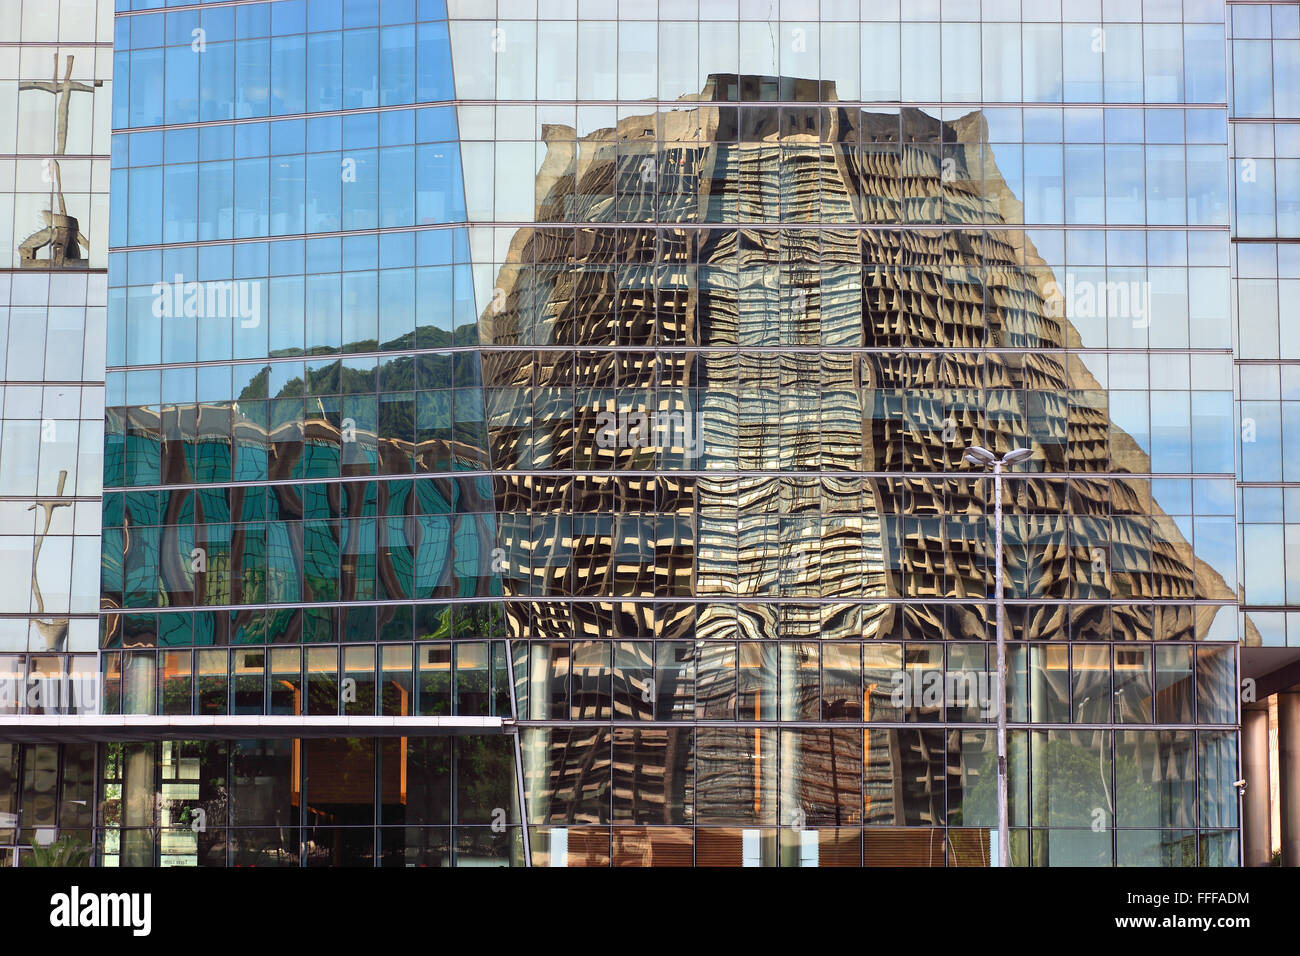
(983, 458)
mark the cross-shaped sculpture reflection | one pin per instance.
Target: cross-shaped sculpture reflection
(62, 232)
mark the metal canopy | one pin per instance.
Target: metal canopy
(56, 728)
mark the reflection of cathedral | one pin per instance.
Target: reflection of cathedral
(837, 367)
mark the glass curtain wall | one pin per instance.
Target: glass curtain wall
(779, 266)
(55, 98)
(620, 360)
(300, 513)
(1265, 50)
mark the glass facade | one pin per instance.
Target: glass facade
(55, 95)
(1264, 46)
(779, 268)
(606, 370)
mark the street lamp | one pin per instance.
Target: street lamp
(983, 458)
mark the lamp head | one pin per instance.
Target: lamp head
(980, 456)
(1017, 454)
